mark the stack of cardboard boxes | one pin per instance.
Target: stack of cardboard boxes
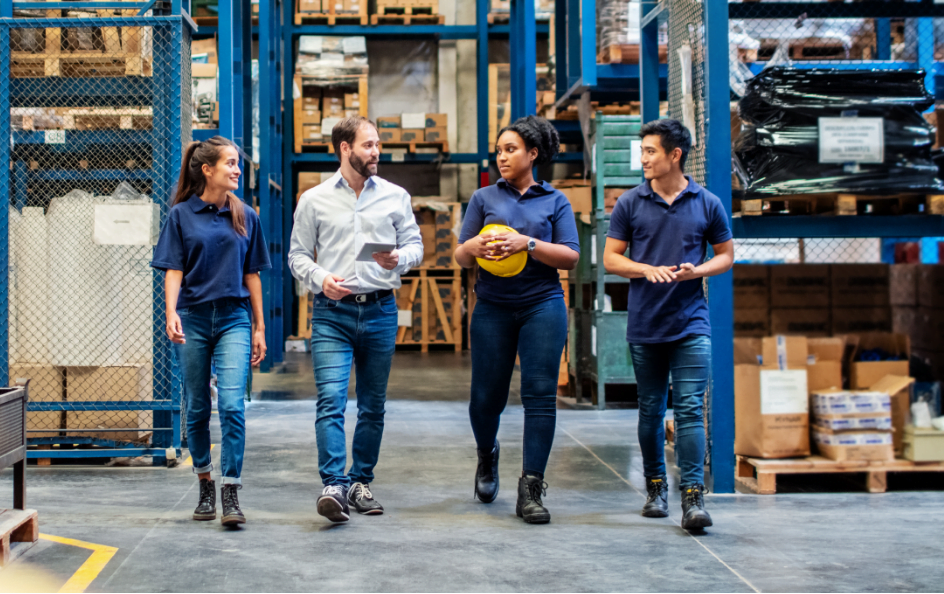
(320, 7)
(580, 194)
(414, 127)
(917, 296)
(320, 109)
(203, 75)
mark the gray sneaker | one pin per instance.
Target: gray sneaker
(361, 499)
(333, 504)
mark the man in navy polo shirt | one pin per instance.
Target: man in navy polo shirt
(667, 224)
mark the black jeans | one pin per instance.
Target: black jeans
(537, 334)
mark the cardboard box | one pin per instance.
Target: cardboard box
(751, 323)
(899, 390)
(446, 240)
(929, 326)
(351, 113)
(801, 322)
(751, 286)
(352, 101)
(428, 232)
(309, 6)
(854, 422)
(390, 135)
(905, 321)
(770, 398)
(413, 135)
(863, 374)
(312, 132)
(580, 197)
(859, 319)
(332, 103)
(436, 135)
(437, 120)
(203, 70)
(824, 363)
(923, 445)
(413, 120)
(846, 402)
(310, 117)
(864, 445)
(388, 122)
(127, 383)
(205, 46)
(859, 285)
(931, 285)
(46, 385)
(799, 285)
(328, 124)
(903, 284)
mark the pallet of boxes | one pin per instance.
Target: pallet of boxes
(204, 77)
(330, 83)
(330, 12)
(407, 12)
(423, 133)
(430, 298)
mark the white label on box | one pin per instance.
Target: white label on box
(328, 124)
(55, 137)
(355, 45)
(783, 392)
(397, 155)
(404, 318)
(635, 152)
(126, 224)
(413, 120)
(851, 140)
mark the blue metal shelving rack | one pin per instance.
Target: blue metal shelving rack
(161, 90)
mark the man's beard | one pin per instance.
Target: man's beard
(362, 167)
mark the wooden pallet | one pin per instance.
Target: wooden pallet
(411, 147)
(16, 525)
(841, 204)
(331, 16)
(498, 18)
(313, 146)
(406, 14)
(627, 53)
(437, 316)
(89, 119)
(760, 476)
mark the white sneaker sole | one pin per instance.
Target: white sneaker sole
(331, 509)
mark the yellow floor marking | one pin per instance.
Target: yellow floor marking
(86, 574)
(189, 460)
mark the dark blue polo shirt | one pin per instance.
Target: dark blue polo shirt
(663, 235)
(542, 213)
(199, 239)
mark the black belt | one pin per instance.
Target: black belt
(367, 297)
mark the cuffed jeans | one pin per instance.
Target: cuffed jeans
(536, 333)
(343, 333)
(688, 360)
(218, 333)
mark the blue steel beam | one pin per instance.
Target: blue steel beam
(649, 79)
(481, 69)
(720, 288)
(573, 62)
(837, 226)
(113, 405)
(287, 56)
(588, 42)
(158, 453)
(834, 10)
(388, 158)
(926, 51)
(560, 46)
(5, 157)
(129, 91)
(523, 53)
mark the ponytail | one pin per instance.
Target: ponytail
(193, 181)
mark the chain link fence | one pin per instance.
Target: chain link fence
(99, 109)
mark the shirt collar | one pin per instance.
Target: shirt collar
(337, 178)
(540, 188)
(199, 205)
(692, 188)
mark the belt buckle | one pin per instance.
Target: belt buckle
(361, 298)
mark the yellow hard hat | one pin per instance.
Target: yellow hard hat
(511, 265)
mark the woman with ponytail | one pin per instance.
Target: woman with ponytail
(522, 315)
(211, 250)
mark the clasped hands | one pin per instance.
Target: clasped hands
(670, 274)
(497, 247)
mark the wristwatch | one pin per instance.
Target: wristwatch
(531, 244)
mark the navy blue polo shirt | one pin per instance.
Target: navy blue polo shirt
(543, 213)
(663, 235)
(199, 239)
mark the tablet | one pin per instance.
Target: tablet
(370, 249)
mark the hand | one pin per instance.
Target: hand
(661, 274)
(507, 245)
(258, 346)
(478, 247)
(686, 272)
(332, 289)
(387, 260)
(175, 331)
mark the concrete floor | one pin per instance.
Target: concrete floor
(435, 537)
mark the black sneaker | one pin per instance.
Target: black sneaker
(530, 508)
(232, 515)
(333, 503)
(657, 505)
(486, 475)
(206, 508)
(693, 508)
(360, 497)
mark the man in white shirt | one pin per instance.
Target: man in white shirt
(354, 312)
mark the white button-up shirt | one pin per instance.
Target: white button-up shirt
(333, 222)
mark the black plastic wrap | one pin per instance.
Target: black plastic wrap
(777, 152)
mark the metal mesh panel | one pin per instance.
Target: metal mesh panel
(96, 136)
(687, 30)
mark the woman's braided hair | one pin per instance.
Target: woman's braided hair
(536, 133)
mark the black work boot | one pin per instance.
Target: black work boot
(333, 503)
(361, 499)
(657, 505)
(206, 509)
(486, 475)
(530, 507)
(693, 508)
(232, 515)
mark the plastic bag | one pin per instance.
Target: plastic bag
(921, 415)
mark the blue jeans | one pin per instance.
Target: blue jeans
(536, 333)
(218, 333)
(365, 335)
(688, 360)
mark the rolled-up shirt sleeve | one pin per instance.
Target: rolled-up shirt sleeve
(301, 255)
(409, 240)
(169, 252)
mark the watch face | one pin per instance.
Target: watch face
(531, 245)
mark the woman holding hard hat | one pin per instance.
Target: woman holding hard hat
(521, 232)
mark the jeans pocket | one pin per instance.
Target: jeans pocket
(388, 305)
(322, 302)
